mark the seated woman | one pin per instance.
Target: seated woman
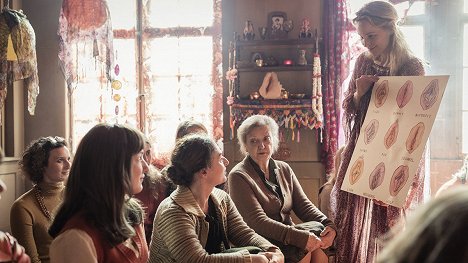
(46, 162)
(266, 191)
(190, 127)
(99, 221)
(199, 222)
(10, 250)
(155, 189)
(435, 232)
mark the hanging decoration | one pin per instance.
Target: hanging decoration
(85, 32)
(117, 92)
(293, 115)
(17, 56)
(317, 106)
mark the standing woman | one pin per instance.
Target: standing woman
(198, 222)
(46, 162)
(267, 191)
(361, 221)
(99, 221)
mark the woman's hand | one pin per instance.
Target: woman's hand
(328, 236)
(313, 243)
(259, 258)
(377, 202)
(11, 250)
(274, 256)
(363, 84)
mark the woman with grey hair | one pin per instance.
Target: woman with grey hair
(46, 162)
(266, 191)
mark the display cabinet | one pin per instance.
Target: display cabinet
(296, 66)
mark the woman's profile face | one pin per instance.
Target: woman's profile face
(58, 165)
(148, 153)
(138, 169)
(2, 188)
(259, 144)
(217, 169)
(374, 38)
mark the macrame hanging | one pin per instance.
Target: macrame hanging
(17, 56)
(85, 32)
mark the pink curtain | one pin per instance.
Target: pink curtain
(335, 68)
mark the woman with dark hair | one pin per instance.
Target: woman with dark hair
(190, 127)
(198, 222)
(99, 221)
(46, 162)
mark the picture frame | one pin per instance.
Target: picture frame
(275, 24)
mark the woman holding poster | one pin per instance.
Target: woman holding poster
(360, 221)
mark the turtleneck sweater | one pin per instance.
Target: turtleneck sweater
(29, 223)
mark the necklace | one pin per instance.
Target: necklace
(40, 200)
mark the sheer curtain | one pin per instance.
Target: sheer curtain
(151, 64)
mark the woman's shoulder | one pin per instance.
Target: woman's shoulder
(220, 194)
(25, 200)
(282, 165)
(240, 167)
(413, 66)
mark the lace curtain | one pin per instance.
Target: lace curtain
(159, 69)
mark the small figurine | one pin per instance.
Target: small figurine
(249, 30)
(306, 31)
(263, 32)
(302, 57)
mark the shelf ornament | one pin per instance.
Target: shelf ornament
(317, 106)
(231, 76)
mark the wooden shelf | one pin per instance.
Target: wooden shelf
(277, 43)
(275, 68)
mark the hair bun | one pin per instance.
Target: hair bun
(177, 174)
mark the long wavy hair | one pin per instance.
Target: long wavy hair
(99, 185)
(436, 232)
(384, 15)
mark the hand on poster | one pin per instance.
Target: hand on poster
(394, 133)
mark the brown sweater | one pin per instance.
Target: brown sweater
(29, 224)
(264, 212)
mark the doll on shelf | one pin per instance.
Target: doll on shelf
(306, 31)
(249, 30)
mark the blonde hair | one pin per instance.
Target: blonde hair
(384, 15)
(337, 161)
(435, 232)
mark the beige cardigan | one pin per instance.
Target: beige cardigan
(263, 210)
(180, 231)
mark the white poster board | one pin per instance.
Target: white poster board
(393, 137)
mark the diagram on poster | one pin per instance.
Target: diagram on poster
(393, 136)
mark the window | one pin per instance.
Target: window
(170, 73)
(442, 41)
